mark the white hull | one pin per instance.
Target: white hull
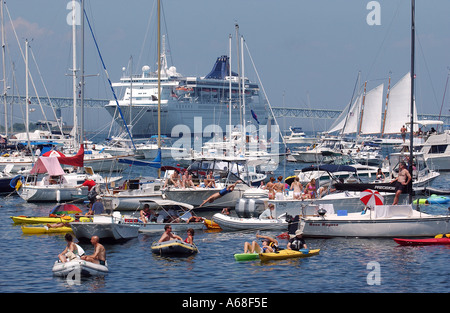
(104, 230)
(230, 223)
(415, 224)
(129, 202)
(78, 266)
(50, 193)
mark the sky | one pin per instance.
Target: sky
(308, 54)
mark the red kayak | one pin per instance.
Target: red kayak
(423, 242)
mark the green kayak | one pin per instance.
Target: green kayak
(246, 256)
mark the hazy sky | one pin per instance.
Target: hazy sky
(299, 47)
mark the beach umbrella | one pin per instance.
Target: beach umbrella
(53, 153)
(371, 198)
(65, 208)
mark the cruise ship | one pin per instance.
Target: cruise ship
(185, 99)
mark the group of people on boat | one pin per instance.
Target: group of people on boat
(276, 189)
(74, 251)
(185, 181)
(168, 235)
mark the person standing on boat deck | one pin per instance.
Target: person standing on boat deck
(221, 193)
(269, 244)
(268, 213)
(270, 186)
(403, 132)
(279, 187)
(298, 188)
(71, 250)
(297, 242)
(99, 256)
(401, 182)
(167, 235)
(310, 189)
(97, 207)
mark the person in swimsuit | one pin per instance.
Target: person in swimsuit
(270, 185)
(190, 238)
(71, 250)
(269, 244)
(298, 188)
(221, 193)
(310, 189)
(279, 187)
(401, 182)
(99, 256)
(147, 215)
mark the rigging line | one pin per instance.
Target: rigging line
(146, 33)
(264, 91)
(109, 80)
(46, 92)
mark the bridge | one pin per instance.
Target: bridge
(65, 102)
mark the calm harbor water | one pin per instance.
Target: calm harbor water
(343, 265)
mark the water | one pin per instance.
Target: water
(341, 266)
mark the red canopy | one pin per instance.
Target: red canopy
(53, 153)
(76, 160)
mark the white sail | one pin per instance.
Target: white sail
(399, 107)
(371, 114)
(348, 119)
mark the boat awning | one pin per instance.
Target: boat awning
(330, 168)
(164, 202)
(139, 163)
(48, 165)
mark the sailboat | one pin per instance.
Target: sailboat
(382, 220)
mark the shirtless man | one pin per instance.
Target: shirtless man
(270, 185)
(220, 194)
(402, 181)
(279, 187)
(167, 235)
(403, 132)
(99, 256)
(174, 179)
(298, 188)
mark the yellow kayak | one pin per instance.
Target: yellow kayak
(22, 219)
(287, 254)
(45, 230)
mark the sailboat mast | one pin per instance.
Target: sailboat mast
(411, 135)
(159, 74)
(362, 108)
(244, 132)
(229, 91)
(74, 73)
(4, 69)
(386, 105)
(82, 75)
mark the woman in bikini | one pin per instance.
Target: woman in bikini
(310, 189)
(270, 187)
(298, 188)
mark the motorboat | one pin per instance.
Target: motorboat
(56, 185)
(314, 153)
(174, 247)
(297, 136)
(381, 221)
(436, 150)
(79, 267)
(130, 194)
(226, 171)
(166, 212)
(421, 178)
(106, 227)
(233, 223)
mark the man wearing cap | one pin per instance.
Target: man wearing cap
(97, 207)
(268, 213)
(297, 242)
